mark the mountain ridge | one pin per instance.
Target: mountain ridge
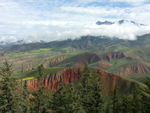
(109, 81)
(120, 22)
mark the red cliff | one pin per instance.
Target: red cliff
(51, 81)
(108, 81)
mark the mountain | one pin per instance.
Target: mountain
(116, 62)
(104, 23)
(24, 42)
(132, 22)
(83, 42)
(9, 44)
(19, 42)
(123, 57)
(118, 22)
(109, 81)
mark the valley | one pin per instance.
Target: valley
(74, 56)
(122, 57)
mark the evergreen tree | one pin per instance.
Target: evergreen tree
(91, 98)
(108, 108)
(9, 95)
(116, 101)
(58, 99)
(39, 97)
(126, 101)
(146, 97)
(61, 101)
(136, 101)
(74, 98)
(25, 97)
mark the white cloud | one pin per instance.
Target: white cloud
(103, 11)
(53, 20)
(124, 31)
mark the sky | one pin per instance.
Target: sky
(48, 20)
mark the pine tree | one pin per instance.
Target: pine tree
(25, 97)
(116, 101)
(39, 97)
(145, 103)
(74, 99)
(60, 100)
(136, 101)
(146, 97)
(91, 97)
(9, 95)
(108, 108)
(126, 104)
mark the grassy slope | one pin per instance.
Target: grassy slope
(31, 59)
(30, 53)
(139, 77)
(31, 74)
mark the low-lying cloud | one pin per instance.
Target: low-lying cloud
(63, 30)
(48, 20)
(125, 31)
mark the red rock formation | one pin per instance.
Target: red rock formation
(70, 75)
(108, 81)
(87, 57)
(113, 55)
(111, 81)
(137, 68)
(81, 59)
(52, 80)
(90, 58)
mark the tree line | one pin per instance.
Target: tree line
(83, 96)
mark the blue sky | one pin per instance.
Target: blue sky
(34, 20)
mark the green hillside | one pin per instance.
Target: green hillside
(113, 55)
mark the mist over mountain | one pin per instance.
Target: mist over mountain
(121, 29)
(19, 42)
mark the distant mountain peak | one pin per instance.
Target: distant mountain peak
(122, 21)
(104, 22)
(130, 21)
(118, 22)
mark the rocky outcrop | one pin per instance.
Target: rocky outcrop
(70, 75)
(113, 55)
(81, 59)
(111, 81)
(87, 58)
(54, 61)
(138, 68)
(52, 80)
